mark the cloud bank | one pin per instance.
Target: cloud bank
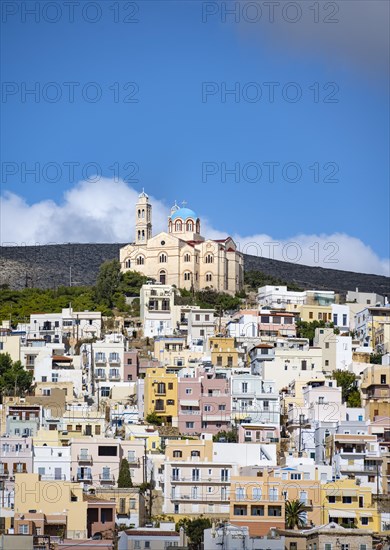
(109, 217)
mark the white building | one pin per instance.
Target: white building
(108, 362)
(254, 399)
(279, 297)
(52, 462)
(158, 312)
(76, 325)
(340, 317)
(336, 349)
(366, 298)
(53, 368)
(200, 327)
(244, 324)
(291, 359)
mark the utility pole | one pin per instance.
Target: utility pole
(300, 435)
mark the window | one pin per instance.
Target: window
(273, 493)
(187, 276)
(295, 476)
(240, 510)
(163, 258)
(161, 388)
(195, 474)
(345, 547)
(178, 226)
(140, 260)
(224, 474)
(170, 386)
(275, 511)
(240, 493)
(195, 453)
(221, 407)
(147, 544)
(23, 529)
(244, 387)
(303, 365)
(383, 379)
(364, 521)
(209, 259)
(344, 319)
(188, 391)
(310, 315)
(332, 499)
(326, 345)
(256, 493)
(328, 546)
(189, 425)
(326, 363)
(128, 262)
(363, 547)
(107, 450)
(163, 277)
(177, 454)
(257, 510)
(219, 361)
(347, 500)
(176, 509)
(187, 257)
(137, 544)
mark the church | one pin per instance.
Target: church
(181, 256)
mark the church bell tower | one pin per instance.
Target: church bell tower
(143, 219)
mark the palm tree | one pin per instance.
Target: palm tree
(295, 514)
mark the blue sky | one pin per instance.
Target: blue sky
(170, 132)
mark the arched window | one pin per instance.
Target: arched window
(139, 213)
(140, 260)
(209, 259)
(187, 276)
(143, 213)
(163, 277)
(209, 277)
(187, 257)
(139, 235)
(163, 259)
(143, 234)
(178, 226)
(128, 263)
(161, 388)
(190, 226)
(195, 453)
(177, 454)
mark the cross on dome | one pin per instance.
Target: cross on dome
(183, 203)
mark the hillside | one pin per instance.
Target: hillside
(53, 265)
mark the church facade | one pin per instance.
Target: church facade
(181, 256)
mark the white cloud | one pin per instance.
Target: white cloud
(103, 211)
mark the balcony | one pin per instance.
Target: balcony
(194, 413)
(86, 458)
(4, 474)
(100, 359)
(100, 376)
(307, 502)
(205, 479)
(114, 376)
(107, 479)
(114, 359)
(84, 476)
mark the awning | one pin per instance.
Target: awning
(348, 493)
(339, 491)
(366, 515)
(341, 514)
(189, 403)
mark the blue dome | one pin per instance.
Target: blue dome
(184, 213)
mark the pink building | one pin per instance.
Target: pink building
(277, 323)
(130, 365)
(16, 457)
(204, 401)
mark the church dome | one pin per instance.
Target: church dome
(184, 213)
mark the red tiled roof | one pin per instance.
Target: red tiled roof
(157, 533)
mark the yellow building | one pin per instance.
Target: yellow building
(9, 343)
(310, 313)
(375, 390)
(258, 502)
(223, 352)
(84, 420)
(39, 503)
(348, 504)
(173, 352)
(160, 394)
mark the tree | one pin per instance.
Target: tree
(227, 436)
(14, 379)
(347, 381)
(153, 418)
(194, 530)
(376, 358)
(307, 330)
(124, 478)
(108, 281)
(295, 514)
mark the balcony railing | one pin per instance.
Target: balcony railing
(114, 376)
(84, 458)
(101, 376)
(4, 474)
(114, 359)
(194, 413)
(100, 359)
(205, 479)
(84, 476)
(106, 478)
